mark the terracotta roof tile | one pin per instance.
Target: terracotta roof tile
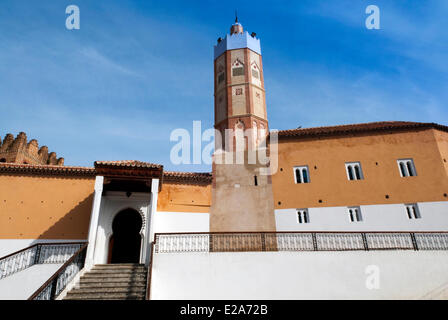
(127, 163)
(359, 128)
(46, 169)
(203, 177)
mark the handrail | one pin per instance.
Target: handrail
(275, 232)
(19, 251)
(47, 252)
(298, 241)
(38, 244)
(50, 288)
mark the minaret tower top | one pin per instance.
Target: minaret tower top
(236, 27)
(240, 101)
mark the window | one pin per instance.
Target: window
(221, 77)
(354, 214)
(255, 74)
(412, 211)
(2, 160)
(406, 167)
(239, 71)
(237, 68)
(301, 174)
(354, 171)
(302, 216)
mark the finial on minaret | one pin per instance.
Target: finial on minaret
(236, 27)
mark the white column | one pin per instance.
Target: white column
(94, 217)
(152, 209)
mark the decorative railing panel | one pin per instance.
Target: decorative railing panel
(298, 241)
(293, 241)
(17, 262)
(182, 243)
(57, 283)
(37, 254)
(339, 241)
(389, 241)
(432, 241)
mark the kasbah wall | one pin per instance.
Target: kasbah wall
(176, 197)
(378, 154)
(38, 207)
(53, 207)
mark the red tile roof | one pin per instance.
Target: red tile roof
(127, 164)
(359, 128)
(46, 169)
(169, 176)
(194, 177)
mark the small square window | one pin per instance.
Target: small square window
(412, 211)
(354, 214)
(302, 216)
(406, 168)
(301, 174)
(238, 71)
(354, 171)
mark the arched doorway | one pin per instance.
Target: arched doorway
(125, 242)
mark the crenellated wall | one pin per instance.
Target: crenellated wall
(19, 150)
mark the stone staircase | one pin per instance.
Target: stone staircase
(111, 282)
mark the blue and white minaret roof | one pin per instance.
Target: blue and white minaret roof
(237, 39)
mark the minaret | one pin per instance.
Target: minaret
(239, 84)
(241, 196)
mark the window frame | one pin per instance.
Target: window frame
(358, 214)
(301, 168)
(353, 164)
(412, 211)
(405, 163)
(302, 216)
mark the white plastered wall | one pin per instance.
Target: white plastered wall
(387, 217)
(111, 205)
(181, 222)
(300, 275)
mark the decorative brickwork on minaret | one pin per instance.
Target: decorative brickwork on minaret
(242, 197)
(18, 150)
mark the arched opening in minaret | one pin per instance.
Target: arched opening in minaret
(125, 242)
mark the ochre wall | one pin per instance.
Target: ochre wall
(378, 155)
(36, 207)
(442, 141)
(176, 197)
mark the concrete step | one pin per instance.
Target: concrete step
(105, 277)
(112, 284)
(121, 271)
(127, 289)
(118, 267)
(105, 296)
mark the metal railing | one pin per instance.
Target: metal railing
(298, 241)
(59, 280)
(37, 254)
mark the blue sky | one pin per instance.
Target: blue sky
(136, 70)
